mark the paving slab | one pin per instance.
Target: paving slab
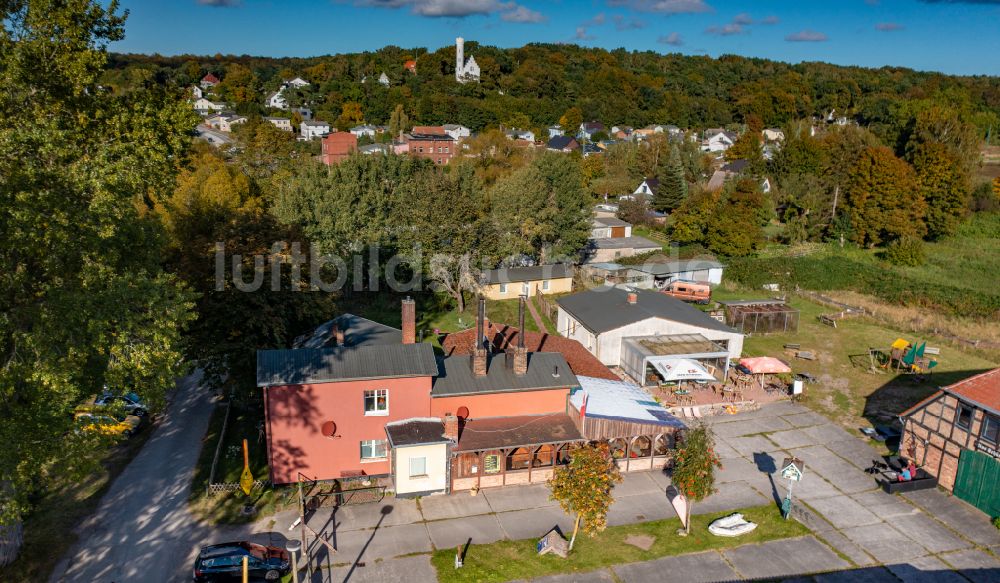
(928, 532)
(784, 558)
(450, 533)
(661, 478)
(810, 519)
(974, 564)
(884, 542)
(844, 546)
(835, 469)
(792, 438)
(730, 496)
(601, 576)
(693, 568)
(534, 523)
(925, 570)
(454, 506)
(777, 409)
(864, 575)
(843, 512)
(747, 446)
(885, 505)
(725, 451)
(401, 570)
(382, 543)
(737, 428)
(518, 497)
(735, 469)
(957, 515)
(389, 512)
(807, 419)
(827, 433)
(638, 484)
(811, 487)
(856, 451)
(630, 509)
(773, 424)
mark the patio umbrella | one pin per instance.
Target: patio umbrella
(763, 365)
(682, 369)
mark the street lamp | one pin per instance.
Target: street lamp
(293, 546)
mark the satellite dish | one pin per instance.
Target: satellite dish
(329, 429)
(463, 413)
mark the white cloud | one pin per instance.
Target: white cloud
(726, 29)
(523, 14)
(581, 34)
(742, 19)
(769, 20)
(622, 23)
(597, 20)
(665, 6)
(807, 36)
(672, 39)
(509, 11)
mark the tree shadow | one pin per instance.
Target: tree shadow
(766, 464)
(385, 511)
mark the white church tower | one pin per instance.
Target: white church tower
(464, 71)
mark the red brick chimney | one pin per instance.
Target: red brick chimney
(409, 321)
(520, 353)
(479, 352)
(450, 427)
(338, 335)
(633, 298)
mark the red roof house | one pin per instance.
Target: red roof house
(338, 146)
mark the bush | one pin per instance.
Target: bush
(996, 522)
(906, 251)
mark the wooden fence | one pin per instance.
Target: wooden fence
(213, 488)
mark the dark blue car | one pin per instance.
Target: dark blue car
(224, 562)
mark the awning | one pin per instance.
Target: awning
(765, 365)
(681, 369)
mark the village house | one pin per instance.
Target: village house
(647, 188)
(282, 123)
(588, 129)
(297, 83)
(510, 282)
(224, 122)
(731, 170)
(276, 100)
(518, 134)
(717, 140)
(457, 132)
(209, 81)
(556, 130)
(611, 238)
(313, 129)
(364, 130)
(196, 92)
(465, 71)
(411, 66)
(430, 142)
(954, 434)
(773, 135)
(383, 79)
(338, 146)
(204, 106)
(638, 330)
(359, 400)
(655, 273)
(561, 143)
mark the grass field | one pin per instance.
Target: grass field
(846, 391)
(509, 560)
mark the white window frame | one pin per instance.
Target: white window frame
(525, 288)
(375, 394)
(503, 288)
(372, 445)
(423, 467)
(545, 285)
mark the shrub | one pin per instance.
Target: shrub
(996, 522)
(906, 251)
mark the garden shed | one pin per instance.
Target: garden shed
(761, 316)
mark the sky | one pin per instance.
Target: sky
(951, 36)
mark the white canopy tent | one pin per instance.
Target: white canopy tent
(682, 369)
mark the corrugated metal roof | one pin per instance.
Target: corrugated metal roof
(606, 308)
(456, 378)
(635, 242)
(534, 273)
(670, 267)
(622, 401)
(316, 365)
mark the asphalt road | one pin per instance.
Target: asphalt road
(142, 531)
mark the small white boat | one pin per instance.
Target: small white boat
(732, 525)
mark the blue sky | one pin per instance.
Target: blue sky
(953, 36)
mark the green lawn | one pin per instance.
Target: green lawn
(508, 560)
(847, 391)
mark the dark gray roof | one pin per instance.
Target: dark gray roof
(358, 331)
(534, 273)
(625, 243)
(560, 142)
(612, 222)
(736, 166)
(455, 375)
(299, 366)
(607, 308)
(417, 431)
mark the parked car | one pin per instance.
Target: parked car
(131, 402)
(224, 562)
(106, 422)
(689, 291)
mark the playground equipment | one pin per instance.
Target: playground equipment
(909, 358)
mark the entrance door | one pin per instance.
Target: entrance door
(617, 232)
(978, 475)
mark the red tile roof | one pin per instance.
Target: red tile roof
(210, 78)
(579, 359)
(982, 389)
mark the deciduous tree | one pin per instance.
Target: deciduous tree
(583, 487)
(694, 466)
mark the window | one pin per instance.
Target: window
(377, 402)
(991, 429)
(545, 285)
(963, 417)
(503, 288)
(447, 149)
(491, 464)
(418, 467)
(374, 449)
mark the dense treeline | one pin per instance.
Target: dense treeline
(534, 85)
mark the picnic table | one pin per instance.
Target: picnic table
(683, 397)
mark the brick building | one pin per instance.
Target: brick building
(338, 146)
(431, 142)
(955, 435)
